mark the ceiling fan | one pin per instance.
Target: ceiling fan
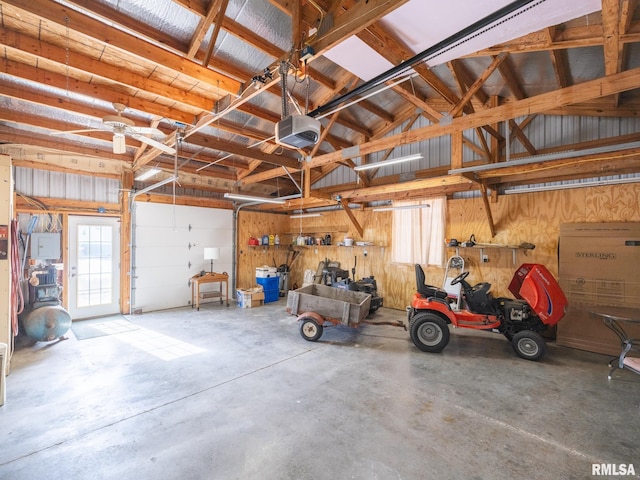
(121, 127)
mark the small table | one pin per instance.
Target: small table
(210, 277)
(612, 317)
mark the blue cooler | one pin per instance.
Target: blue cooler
(271, 287)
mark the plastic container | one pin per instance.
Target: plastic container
(269, 283)
(271, 286)
(271, 296)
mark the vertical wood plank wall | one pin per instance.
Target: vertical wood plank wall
(529, 217)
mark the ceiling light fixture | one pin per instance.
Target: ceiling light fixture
(305, 215)
(401, 207)
(565, 186)
(251, 198)
(148, 174)
(393, 161)
(546, 157)
(156, 185)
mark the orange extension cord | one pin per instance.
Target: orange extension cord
(17, 300)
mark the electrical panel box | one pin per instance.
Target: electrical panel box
(45, 246)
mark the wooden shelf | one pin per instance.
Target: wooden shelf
(514, 249)
(340, 246)
(312, 230)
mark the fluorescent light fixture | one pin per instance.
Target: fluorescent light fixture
(402, 207)
(251, 198)
(305, 215)
(393, 161)
(546, 157)
(148, 174)
(565, 186)
(156, 185)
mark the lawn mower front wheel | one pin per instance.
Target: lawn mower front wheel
(529, 345)
(429, 332)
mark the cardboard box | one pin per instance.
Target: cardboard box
(249, 297)
(598, 265)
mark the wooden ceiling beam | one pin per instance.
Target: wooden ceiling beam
(611, 36)
(477, 85)
(585, 91)
(12, 136)
(114, 93)
(517, 132)
(352, 217)
(352, 21)
(510, 78)
(45, 54)
(547, 166)
(241, 150)
(576, 171)
(132, 44)
(464, 80)
(430, 112)
(203, 27)
(216, 31)
(448, 183)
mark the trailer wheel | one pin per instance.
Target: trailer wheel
(529, 345)
(310, 329)
(429, 332)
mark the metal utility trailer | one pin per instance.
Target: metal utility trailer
(317, 304)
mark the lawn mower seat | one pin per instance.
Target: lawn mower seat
(427, 290)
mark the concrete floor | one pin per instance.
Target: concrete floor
(253, 400)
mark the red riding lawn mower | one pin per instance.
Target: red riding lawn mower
(539, 304)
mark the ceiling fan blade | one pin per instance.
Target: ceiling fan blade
(77, 131)
(154, 143)
(146, 131)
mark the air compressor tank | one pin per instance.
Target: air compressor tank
(46, 323)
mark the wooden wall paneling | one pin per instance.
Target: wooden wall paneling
(257, 224)
(530, 217)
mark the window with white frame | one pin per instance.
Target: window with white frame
(418, 231)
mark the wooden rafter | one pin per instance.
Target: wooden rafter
(610, 85)
(93, 29)
(495, 63)
(202, 28)
(487, 208)
(519, 134)
(216, 31)
(352, 217)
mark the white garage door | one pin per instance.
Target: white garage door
(168, 249)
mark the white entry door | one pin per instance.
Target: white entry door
(94, 273)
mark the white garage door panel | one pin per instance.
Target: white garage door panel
(158, 215)
(158, 256)
(162, 253)
(167, 236)
(163, 288)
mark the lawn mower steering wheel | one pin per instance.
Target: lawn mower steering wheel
(460, 278)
